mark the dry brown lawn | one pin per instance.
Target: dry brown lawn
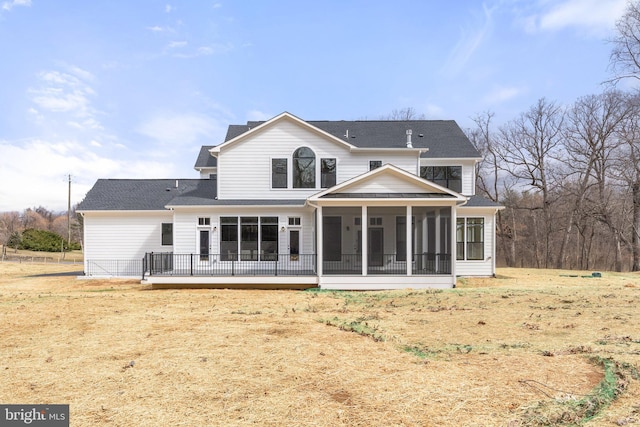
(519, 349)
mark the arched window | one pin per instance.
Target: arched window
(304, 168)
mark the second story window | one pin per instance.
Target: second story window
(374, 164)
(446, 176)
(327, 173)
(278, 173)
(304, 168)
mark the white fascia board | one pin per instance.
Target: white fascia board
(227, 206)
(393, 150)
(385, 202)
(452, 159)
(283, 116)
(123, 212)
(394, 169)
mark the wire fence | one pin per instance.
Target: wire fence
(38, 259)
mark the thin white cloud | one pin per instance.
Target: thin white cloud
(176, 44)
(180, 129)
(159, 29)
(501, 94)
(8, 5)
(213, 49)
(65, 97)
(470, 40)
(595, 17)
(258, 116)
(168, 8)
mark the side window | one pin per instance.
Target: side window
(278, 173)
(446, 176)
(167, 234)
(470, 239)
(374, 164)
(304, 168)
(327, 173)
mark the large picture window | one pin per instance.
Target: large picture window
(278, 173)
(249, 238)
(470, 239)
(446, 176)
(253, 238)
(304, 168)
(229, 238)
(327, 173)
(269, 238)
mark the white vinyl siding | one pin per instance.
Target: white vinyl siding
(124, 235)
(386, 183)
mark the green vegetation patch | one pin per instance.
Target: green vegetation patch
(360, 326)
(570, 411)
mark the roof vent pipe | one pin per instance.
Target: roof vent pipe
(176, 183)
(409, 144)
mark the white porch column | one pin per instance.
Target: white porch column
(364, 225)
(319, 241)
(438, 242)
(454, 247)
(409, 238)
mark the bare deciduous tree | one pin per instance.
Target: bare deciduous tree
(529, 149)
(624, 61)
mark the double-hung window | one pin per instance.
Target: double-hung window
(278, 173)
(167, 234)
(327, 173)
(470, 239)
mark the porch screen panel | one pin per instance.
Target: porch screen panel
(475, 238)
(249, 238)
(332, 238)
(460, 238)
(401, 238)
(269, 238)
(229, 238)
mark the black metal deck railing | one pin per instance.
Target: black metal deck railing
(170, 264)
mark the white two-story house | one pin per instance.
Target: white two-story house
(293, 203)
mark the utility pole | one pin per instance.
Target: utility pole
(69, 214)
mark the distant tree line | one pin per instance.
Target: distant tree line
(39, 229)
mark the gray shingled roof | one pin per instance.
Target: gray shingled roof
(205, 159)
(481, 202)
(137, 194)
(444, 138)
(157, 194)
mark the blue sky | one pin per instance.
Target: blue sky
(132, 89)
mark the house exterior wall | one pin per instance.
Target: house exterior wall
(485, 267)
(186, 226)
(244, 174)
(113, 236)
